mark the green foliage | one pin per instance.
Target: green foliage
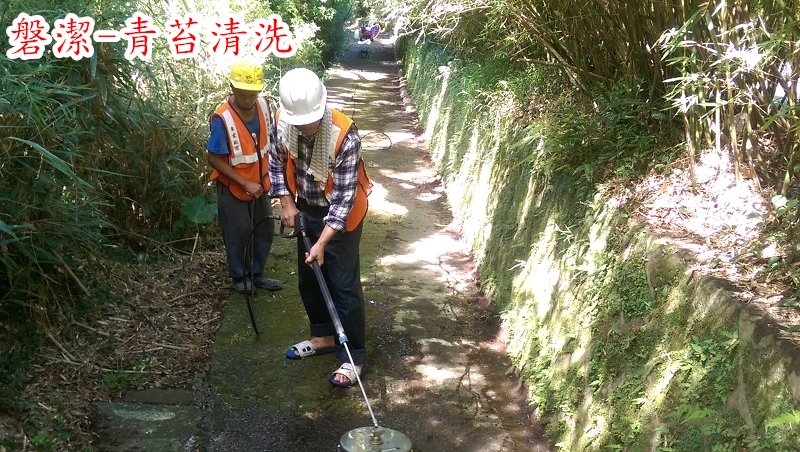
(197, 211)
(326, 19)
(86, 154)
(628, 294)
(54, 437)
(100, 152)
(616, 133)
(710, 369)
(790, 418)
(612, 362)
(633, 129)
(18, 345)
(114, 381)
(593, 44)
(333, 17)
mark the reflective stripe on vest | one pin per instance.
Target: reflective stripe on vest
(243, 155)
(364, 186)
(237, 157)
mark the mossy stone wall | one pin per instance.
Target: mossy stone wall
(620, 346)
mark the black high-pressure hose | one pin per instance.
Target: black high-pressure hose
(255, 225)
(250, 296)
(378, 133)
(353, 116)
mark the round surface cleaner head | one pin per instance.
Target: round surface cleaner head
(374, 439)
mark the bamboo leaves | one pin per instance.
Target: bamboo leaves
(728, 67)
(8, 230)
(53, 161)
(733, 59)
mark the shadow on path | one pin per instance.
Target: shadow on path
(437, 371)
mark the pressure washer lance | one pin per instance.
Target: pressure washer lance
(365, 439)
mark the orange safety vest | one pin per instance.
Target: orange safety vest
(243, 156)
(364, 187)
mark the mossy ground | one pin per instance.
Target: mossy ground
(436, 371)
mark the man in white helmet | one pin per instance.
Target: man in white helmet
(317, 169)
(242, 132)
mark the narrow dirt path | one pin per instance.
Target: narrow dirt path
(437, 372)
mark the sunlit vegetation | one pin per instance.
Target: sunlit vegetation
(542, 117)
(103, 159)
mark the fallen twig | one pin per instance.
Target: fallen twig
(197, 292)
(60, 347)
(146, 350)
(173, 347)
(102, 333)
(72, 275)
(194, 247)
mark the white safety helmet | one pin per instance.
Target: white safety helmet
(302, 97)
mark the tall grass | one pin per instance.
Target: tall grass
(106, 147)
(102, 156)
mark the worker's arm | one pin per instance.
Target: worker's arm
(220, 163)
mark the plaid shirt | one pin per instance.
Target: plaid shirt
(344, 173)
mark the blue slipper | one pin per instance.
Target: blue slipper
(303, 349)
(348, 371)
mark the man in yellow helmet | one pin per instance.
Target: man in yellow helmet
(242, 132)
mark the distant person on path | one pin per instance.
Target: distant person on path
(317, 169)
(242, 133)
(369, 31)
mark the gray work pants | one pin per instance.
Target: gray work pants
(236, 220)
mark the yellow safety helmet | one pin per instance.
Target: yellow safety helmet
(247, 75)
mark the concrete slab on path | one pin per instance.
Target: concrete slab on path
(149, 421)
